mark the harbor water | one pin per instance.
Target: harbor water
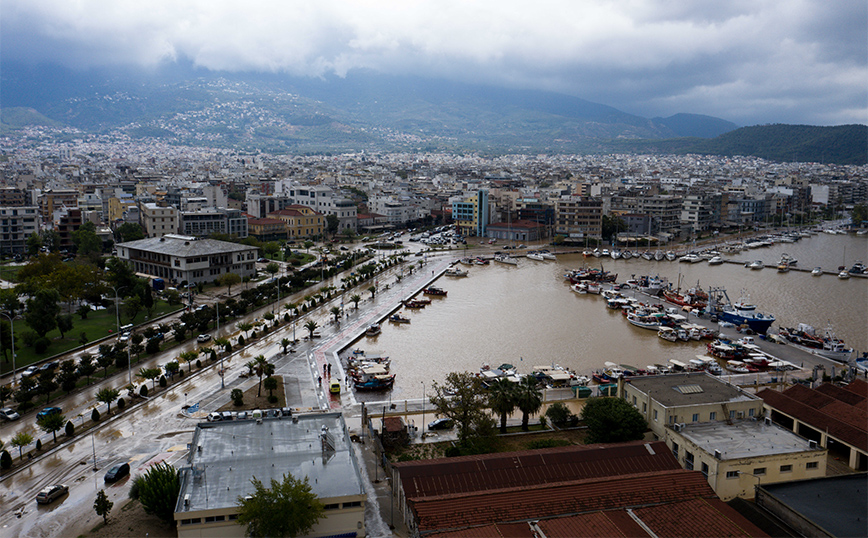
(527, 315)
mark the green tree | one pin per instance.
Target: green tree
(270, 385)
(104, 361)
(612, 225)
(189, 357)
(102, 505)
(107, 396)
(21, 440)
(272, 268)
(284, 343)
(528, 399)
(237, 396)
(229, 280)
(612, 420)
(158, 490)
(42, 311)
(261, 365)
(336, 312)
(51, 423)
(64, 323)
(311, 327)
(373, 291)
(355, 298)
(68, 376)
(332, 223)
(462, 399)
(47, 384)
(244, 327)
(132, 307)
(288, 509)
(502, 399)
(34, 243)
(130, 231)
(86, 367)
(151, 374)
(85, 239)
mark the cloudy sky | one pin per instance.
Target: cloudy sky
(747, 61)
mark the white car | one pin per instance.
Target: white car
(29, 371)
(7, 413)
(203, 338)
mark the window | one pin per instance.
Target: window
(672, 419)
(634, 401)
(353, 504)
(731, 415)
(695, 417)
(759, 471)
(704, 470)
(732, 474)
(786, 468)
(688, 460)
(675, 450)
(655, 415)
(332, 506)
(751, 412)
(644, 407)
(233, 517)
(712, 416)
(812, 465)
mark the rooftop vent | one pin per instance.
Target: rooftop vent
(688, 389)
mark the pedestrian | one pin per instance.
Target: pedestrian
(319, 380)
(330, 370)
(323, 369)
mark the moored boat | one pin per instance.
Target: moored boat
(668, 334)
(373, 330)
(505, 258)
(817, 271)
(738, 313)
(398, 318)
(455, 271)
(431, 290)
(535, 256)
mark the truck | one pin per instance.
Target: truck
(158, 284)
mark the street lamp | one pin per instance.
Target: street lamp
(118, 322)
(12, 323)
(423, 409)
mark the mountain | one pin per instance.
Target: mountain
(374, 112)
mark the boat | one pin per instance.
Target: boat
(615, 254)
(647, 255)
(659, 255)
(414, 303)
(668, 334)
(843, 275)
(454, 271)
(535, 256)
(466, 261)
(597, 275)
(756, 264)
(597, 253)
(670, 256)
(505, 258)
(626, 255)
(431, 290)
(858, 269)
(716, 260)
(373, 330)
(398, 318)
(481, 261)
(737, 367)
(738, 313)
(587, 286)
(690, 258)
(783, 268)
(694, 297)
(548, 255)
(817, 271)
(504, 371)
(788, 260)
(645, 321)
(373, 378)
(652, 285)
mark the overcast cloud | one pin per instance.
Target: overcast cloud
(747, 61)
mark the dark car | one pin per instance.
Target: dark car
(48, 411)
(440, 424)
(49, 366)
(117, 472)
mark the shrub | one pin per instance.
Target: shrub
(70, 429)
(163, 381)
(253, 335)
(152, 347)
(286, 317)
(547, 443)
(180, 373)
(39, 444)
(29, 338)
(5, 460)
(237, 396)
(453, 451)
(95, 416)
(25, 406)
(241, 340)
(198, 363)
(558, 413)
(272, 399)
(121, 403)
(41, 345)
(143, 392)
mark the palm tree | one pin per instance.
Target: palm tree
(311, 326)
(502, 400)
(355, 298)
(373, 291)
(336, 312)
(244, 327)
(261, 365)
(285, 344)
(528, 399)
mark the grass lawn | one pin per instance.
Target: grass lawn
(10, 272)
(99, 323)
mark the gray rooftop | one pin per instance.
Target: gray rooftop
(674, 390)
(745, 439)
(234, 452)
(175, 246)
(837, 504)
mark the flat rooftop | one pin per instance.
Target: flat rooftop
(674, 390)
(838, 504)
(232, 453)
(745, 439)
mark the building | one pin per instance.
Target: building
(832, 416)
(227, 455)
(182, 259)
(158, 221)
(12, 197)
(736, 457)
(119, 206)
(52, 200)
(688, 399)
(471, 214)
(518, 231)
(628, 489)
(266, 229)
(301, 222)
(66, 221)
(16, 225)
(214, 220)
(578, 218)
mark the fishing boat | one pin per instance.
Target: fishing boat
(454, 271)
(398, 318)
(597, 275)
(817, 271)
(373, 330)
(466, 261)
(373, 378)
(668, 334)
(505, 258)
(481, 261)
(756, 264)
(431, 290)
(413, 303)
(738, 313)
(648, 321)
(694, 297)
(587, 286)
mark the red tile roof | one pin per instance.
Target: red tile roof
(846, 396)
(841, 424)
(808, 396)
(532, 467)
(696, 518)
(859, 387)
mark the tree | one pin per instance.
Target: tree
(132, 307)
(284, 343)
(42, 311)
(64, 323)
(47, 384)
(130, 231)
(272, 268)
(462, 399)
(229, 280)
(86, 367)
(332, 223)
(172, 367)
(51, 423)
(270, 385)
(311, 327)
(612, 420)
(107, 396)
(373, 291)
(21, 440)
(102, 505)
(237, 396)
(528, 399)
(289, 508)
(104, 361)
(244, 327)
(189, 357)
(355, 298)
(34, 243)
(68, 376)
(85, 239)
(612, 225)
(158, 490)
(502, 399)
(150, 373)
(261, 364)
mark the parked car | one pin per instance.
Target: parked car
(49, 366)
(262, 260)
(227, 415)
(51, 493)
(242, 415)
(48, 411)
(203, 338)
(215, 417)
(117, 472)
(441, 424)
(29, 371)
(7, 413)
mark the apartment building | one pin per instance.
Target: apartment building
(577, 217)
(158, 221)
(301, 221)
(16, 225)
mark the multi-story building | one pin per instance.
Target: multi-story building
(266, 229)
(118, 206)
(700, 212)
(471, 214)
(158, 221)
(301, 222)
(66, 221)
(52, 200)
(182, 259)
(12, 197)
(16, 225)
(213, 221)
(578, 218)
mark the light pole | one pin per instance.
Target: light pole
(423, 409)
(12, 323)
(118, 322)
(217, 335)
